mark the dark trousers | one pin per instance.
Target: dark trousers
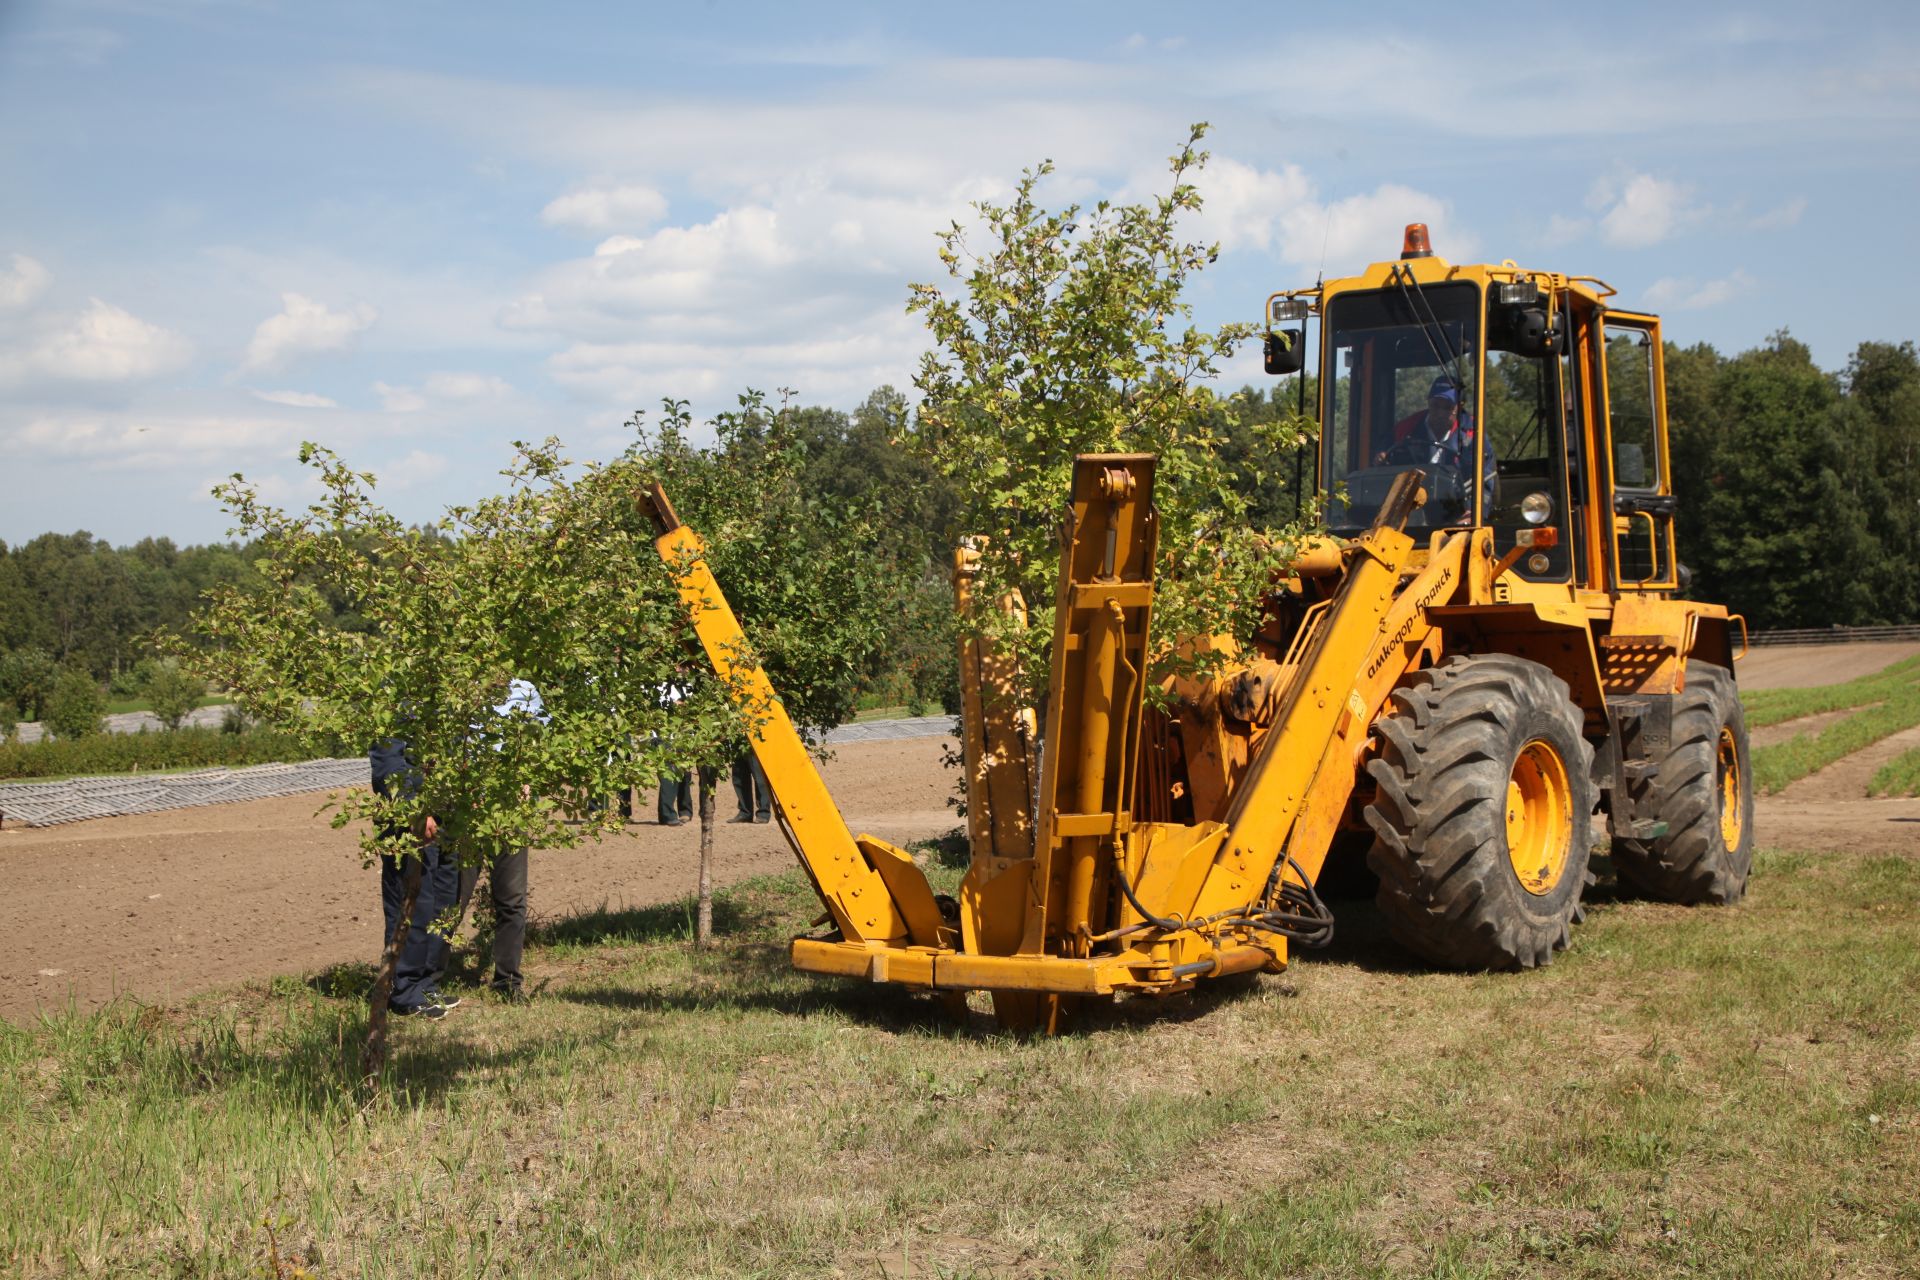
(423, 953)
(624, 796)
(507, 885)
(750, 790)
(676, 797)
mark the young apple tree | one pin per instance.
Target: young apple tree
(1067, 332)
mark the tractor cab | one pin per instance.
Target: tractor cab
(1486, 378)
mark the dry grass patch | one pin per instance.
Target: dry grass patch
(1720, 1092)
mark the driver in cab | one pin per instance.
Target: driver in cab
(1439, 436)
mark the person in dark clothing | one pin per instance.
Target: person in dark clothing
(507, 888)
(751, 795)
(676, 798)
(506, 873)
(1443, 435)
(676, 786)
(423, 953)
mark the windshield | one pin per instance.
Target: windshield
(1402, 395)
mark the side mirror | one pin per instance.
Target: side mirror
(1286, 350)
(1629, 466)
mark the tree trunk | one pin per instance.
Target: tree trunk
(373, 1055)
(703, 920)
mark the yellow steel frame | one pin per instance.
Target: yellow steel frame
(1072, 897)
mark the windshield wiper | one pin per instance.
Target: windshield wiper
(1416, 297)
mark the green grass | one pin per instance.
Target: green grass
(119, 706)
(1899, 776)
(1704, 1092)
(1776, 766)
(1889, 702)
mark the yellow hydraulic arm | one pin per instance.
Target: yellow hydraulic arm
(874, 892)
(1098, 902)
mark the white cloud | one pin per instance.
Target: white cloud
(105, 344)
(399, 399)
(838, 366)
(304, 327)
(1787, 215)
(22, 283)
(414, 468)
(467, 386)
(296, 399)
(1686, 293)
(1642, 210)
(140, 440)
(1243, 206)
(1564, 230)
(456, 388)
(1369, 227)
(608, 208)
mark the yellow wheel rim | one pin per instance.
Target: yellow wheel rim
(1733, 814)
(1539, 817)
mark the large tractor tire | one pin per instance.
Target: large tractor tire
(1482, 825)
(1703, 790)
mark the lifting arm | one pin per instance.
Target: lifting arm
(874, 892)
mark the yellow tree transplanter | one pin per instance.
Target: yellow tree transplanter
(1483, 652)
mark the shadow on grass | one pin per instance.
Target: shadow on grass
(951, 850)
(636, 926)
(887, 1007)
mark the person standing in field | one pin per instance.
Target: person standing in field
(506, 871)
(752, 797)
(423, 953)
(676, 786)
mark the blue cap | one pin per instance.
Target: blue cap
(1443, 389)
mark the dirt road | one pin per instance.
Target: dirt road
(1803, 666)
(163, 905)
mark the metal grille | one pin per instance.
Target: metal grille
(45, 804)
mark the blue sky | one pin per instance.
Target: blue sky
(416, 232)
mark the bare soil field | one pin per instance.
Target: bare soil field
(163, 905)
(1803, 666)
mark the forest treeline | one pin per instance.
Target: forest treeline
(1798, 488)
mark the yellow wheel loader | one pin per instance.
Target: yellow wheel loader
(1482, 653)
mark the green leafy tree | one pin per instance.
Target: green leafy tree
(796, 564)
(76, 705)
(1784, 531)
(1879, 428)
(169, 689)
(26, 680)
(1066, 332)
(553, 581)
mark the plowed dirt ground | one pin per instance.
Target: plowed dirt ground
(163, 905)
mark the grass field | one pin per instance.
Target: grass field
(1883, 704)
(1728, 1092)
(117, 706)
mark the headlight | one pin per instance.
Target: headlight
(1535, 508)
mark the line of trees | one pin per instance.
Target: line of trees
(1799, 506)
(1799, 489)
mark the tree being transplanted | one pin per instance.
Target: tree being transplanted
(1068, 335)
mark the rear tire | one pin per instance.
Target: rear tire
(1703, 791)
(1481, 824)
